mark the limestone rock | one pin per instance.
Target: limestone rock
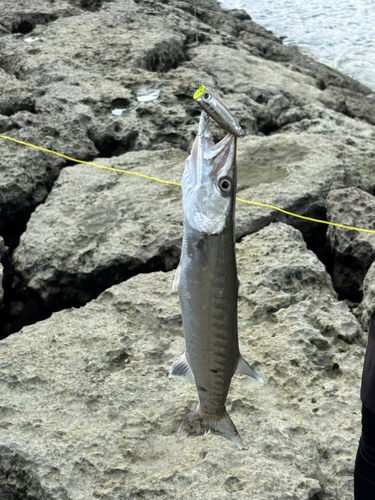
(352, 249)
(23, 18)
(99, 227)
(87, 410)
(110, 56)
(366, 307)
(120, 82)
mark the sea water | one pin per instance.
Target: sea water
(339, 33)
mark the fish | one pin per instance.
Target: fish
(207, 283)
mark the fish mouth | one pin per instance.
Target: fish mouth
(209, 158)
(204, 129)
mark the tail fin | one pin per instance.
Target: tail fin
(197, 424)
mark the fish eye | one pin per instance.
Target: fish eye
(206, 95)
(225, 184)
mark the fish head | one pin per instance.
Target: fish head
(209, 181)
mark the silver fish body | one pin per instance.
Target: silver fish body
(208, 285)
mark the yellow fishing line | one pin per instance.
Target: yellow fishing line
(88, 162)
(343, 226)
(265, 205)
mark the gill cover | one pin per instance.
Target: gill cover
(209, 181)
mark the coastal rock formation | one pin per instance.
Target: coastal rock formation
(118, 88)
(87, 409)
(353, 251)
(98, 228)
(367, 305)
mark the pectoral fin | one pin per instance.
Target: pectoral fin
(176, 279)
(244, 368)
(181, 368)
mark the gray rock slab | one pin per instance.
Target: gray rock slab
(99, 227)
(367, 305)
(354, 251)
(87, 410)
(24, 18)
(56, 96)
(234, 69)
(297, 168)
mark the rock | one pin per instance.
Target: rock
(365, 308)
(354, 251)
(98, 228)
(44, 89)
(109, 413)
(21, 19)
(296, 168)
(108, 53)
(240, 14)
(80, 416)
(117, 85)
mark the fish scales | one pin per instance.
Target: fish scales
(208, 285)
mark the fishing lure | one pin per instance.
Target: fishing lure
(218, 112)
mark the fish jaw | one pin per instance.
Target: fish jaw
(209, 181)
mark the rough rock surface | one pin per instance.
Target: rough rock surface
(97, 227)
(87, 410)
(353, 250)
(120, 80)
(367, 305)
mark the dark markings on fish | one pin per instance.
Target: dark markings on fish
(200, 388)
(200, 243)
(213, 371)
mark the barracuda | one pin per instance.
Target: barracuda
(207, 283)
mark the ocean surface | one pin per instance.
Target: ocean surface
(339, 33)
